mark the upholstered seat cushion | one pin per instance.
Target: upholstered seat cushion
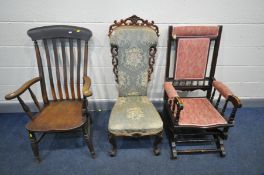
(58, 116)
(134, 116)
(199, 112)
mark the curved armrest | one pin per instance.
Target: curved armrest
(173, 95)
(174, 101)
(235, 101)
(227, 93)
(170, 90)
(86, 86)
(22, 89)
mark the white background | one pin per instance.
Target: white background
(241, 57)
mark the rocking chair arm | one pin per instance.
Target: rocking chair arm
(178, 102)
(170, 90)
(222, 88)
(174, 101)
(235, 101)
(227, 93)
(22, 89)
(86, 86)
(176, 106)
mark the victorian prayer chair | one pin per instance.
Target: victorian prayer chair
(133, 47)
(196, 118)
(63, 112)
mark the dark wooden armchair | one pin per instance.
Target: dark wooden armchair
(67, 110)
(133, 46)
(197, 118)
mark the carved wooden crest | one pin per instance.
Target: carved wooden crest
(133, 21)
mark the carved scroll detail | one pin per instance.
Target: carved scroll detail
(133, 21)
(152, 52)
(114, 51)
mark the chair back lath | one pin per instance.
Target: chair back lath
(62, 54)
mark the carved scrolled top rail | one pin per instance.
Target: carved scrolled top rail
(114, 51)
(152, 52)
(133, 21)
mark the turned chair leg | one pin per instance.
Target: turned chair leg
(34, 145)
(173, 150)
(112, 141)
(220, 145)
(173, 141)
(87, 133)
(157, 141)
(225, 133)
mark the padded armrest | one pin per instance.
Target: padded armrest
(222, 89)
(172, 95)
(86, 86)
(170, 90)
(226, 92)
(22, 89)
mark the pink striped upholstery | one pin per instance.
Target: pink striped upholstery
(222, 89)
(202, 31)
(170, 90)
(192, 57)
(199, 112)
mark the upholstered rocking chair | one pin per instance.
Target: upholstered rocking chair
(133, 47)
(196, 118)
(65, 108)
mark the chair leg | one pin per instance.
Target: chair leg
(87, 133)
(170, 134)
(173, 150)
(112, 141)
(34, 145)
(157, 141)
(173, 147)
(225, 133)
(220, 145)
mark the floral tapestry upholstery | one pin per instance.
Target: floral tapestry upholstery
(199, 112)
(192, 55)
(134, 116)
(133, 45)
(222, 89)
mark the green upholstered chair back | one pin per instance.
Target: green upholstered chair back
(133, 49)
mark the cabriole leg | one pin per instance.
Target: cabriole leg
(157, 141)
(112, 141)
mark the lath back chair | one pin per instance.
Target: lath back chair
(62, 57)
(193, 68)
(133, 47)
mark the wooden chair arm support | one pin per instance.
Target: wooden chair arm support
(178, 106)
(86, 86)
(235, 101)
(178, 102)
(227, 93)
(175, 105)
(22, 89)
